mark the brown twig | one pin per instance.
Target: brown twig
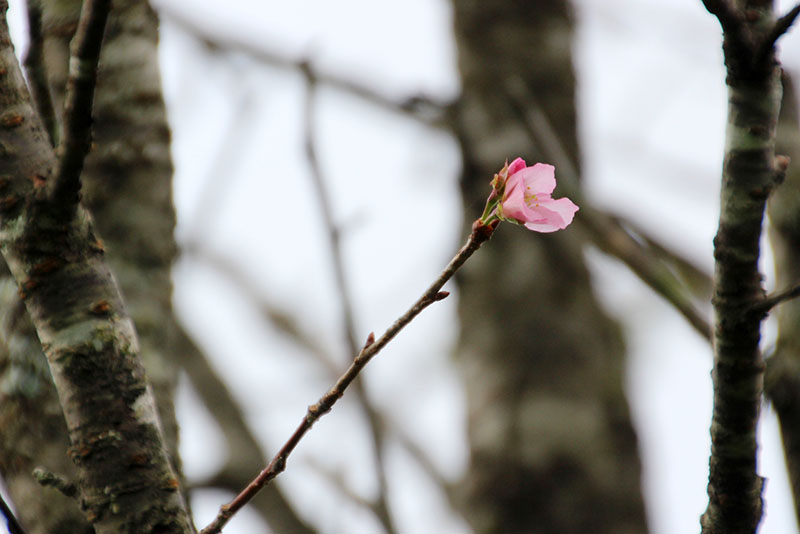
(77, 137)
(770, 301)
(56, 481)
(37, 74)
(381, 506)
(780, 27)
(244, 452)
(421, 107)
(269, 311)
(479, 235)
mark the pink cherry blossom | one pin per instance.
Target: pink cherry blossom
(527, 200)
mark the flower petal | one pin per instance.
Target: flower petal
(552, 215)
(539, 179)
(516, 166)
(514, 205)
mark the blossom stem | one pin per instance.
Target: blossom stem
(481, 232)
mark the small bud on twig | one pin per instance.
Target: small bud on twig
(370, 340)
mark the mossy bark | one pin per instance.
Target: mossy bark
(127, 483)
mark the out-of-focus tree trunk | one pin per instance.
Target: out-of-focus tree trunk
(127, 186)
(127, 178)
(782, 380)
(553, 448)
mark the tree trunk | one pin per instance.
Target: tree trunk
(553, 448)
(127, 185)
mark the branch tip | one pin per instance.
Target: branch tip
(49, 479)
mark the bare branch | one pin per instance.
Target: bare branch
(420, 107)
(770, 301)
(613, 239)
(269, 311)
(56, 481)
(245, 456)
(480, 234)
(77, 138)
(381, 506)
(781, 26)
(36, 72)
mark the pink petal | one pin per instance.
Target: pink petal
(513, 204)
(541, 178)
(516, 166)
(552, 215)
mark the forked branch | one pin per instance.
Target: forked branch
(77, 138)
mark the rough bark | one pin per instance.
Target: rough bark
(749, 174)
(32, 428)
(782, 380)
(553, 448)
(127, 178)
(126, 481)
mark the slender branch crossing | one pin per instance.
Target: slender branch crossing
(480, 234)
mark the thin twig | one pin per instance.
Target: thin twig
(479, 235)
(332, 229)
(36, 72)
(270, 312)
(421, 107)
(780, 27)
(58, 482)
(77, 137)
(770, 301)
(13, 524)
(244, 453)
(421, 457)
(336, 480)
(615, 240)
(218, 180)
(698, 282)
(381, 506)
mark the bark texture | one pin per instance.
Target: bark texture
(553, 448)
(126, 481)
(127, 187)
(749, 174)
(127, 178)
